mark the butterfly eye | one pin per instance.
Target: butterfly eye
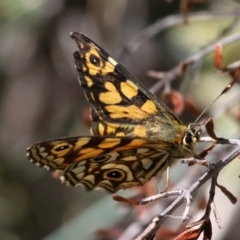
(95, 60)
(114, 175)
(188, 139)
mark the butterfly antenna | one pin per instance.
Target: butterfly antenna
(209, 105)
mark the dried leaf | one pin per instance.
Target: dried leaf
(166, 233)
(191, 234)
(228, 194)
(176, 100)
(183, 66)
(121, 199)
(210, 128)
(218, 57)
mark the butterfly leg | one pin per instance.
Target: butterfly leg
(193, 161)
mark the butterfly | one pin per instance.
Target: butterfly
(135, 136)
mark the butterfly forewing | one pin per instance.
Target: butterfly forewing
(116, 96)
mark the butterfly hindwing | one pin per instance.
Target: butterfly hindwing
(102, 162)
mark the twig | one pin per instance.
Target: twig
(160, 195)
(170, 21)
(174, 72)
(151, 229)
(188, 198)
(220, 141)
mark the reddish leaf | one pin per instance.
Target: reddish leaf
(190, 234)
(183, 67)
(176, 100)
(121, 199)
(218, 57)
(210, 128)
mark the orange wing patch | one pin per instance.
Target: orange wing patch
(149, 107)
(129, 89)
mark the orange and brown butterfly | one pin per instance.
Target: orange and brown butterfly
(135, 137)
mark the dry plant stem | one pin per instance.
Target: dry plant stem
(192, 161)
(173, 20)
(173, 73)
(216, 215)
(188, 198)
(220, 141)
(211, 205)
(151, 229)
(211, 196)
(160, 195)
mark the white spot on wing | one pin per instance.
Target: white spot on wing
(80, 176)
(146, 163)
(78, 170)
(44, 154)
(142, 150)
(112, 61)
(41, 149)
(90, 178)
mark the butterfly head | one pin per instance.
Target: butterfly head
(192, 135)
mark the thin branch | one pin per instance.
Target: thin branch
(160, 195)
(176, 71)
(151, 229)
(220, 141)
(170, 21)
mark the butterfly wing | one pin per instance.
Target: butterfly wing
(120, 102)
(109, 163)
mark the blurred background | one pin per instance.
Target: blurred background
(40, 99)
